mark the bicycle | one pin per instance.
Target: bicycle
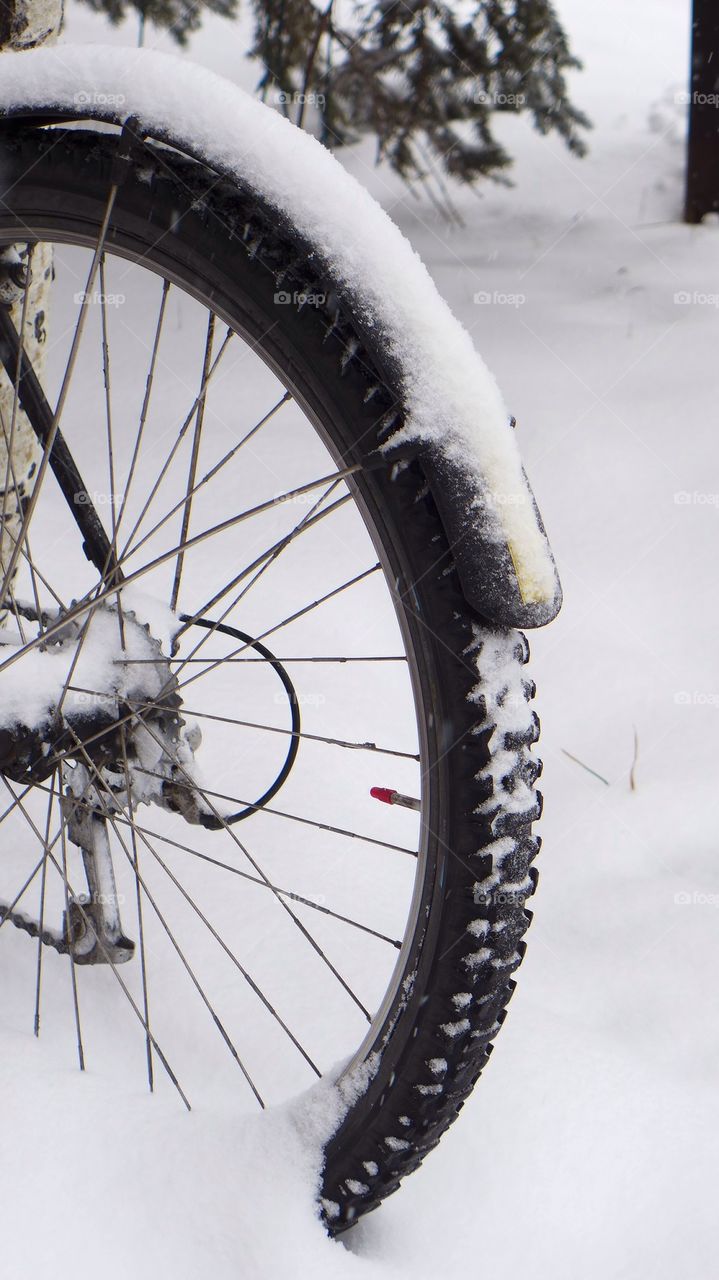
(307, 501)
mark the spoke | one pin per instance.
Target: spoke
(36, 574)
(245, 875)
(180, 437)
(87, 602)
(30, 786)
(282, 659)
(262, 566)
(145, 403)
(303, 735)
(261, 563)
(74, 661)
(6, 911)
(241, 968)
(246, 975)
(180, 953)
(129, 715)
(299, 613)
(140, 920)
(269, 728)
(43, 881)
(265, 728)
(17, 804)
(65, 386)
(61, 461)
(204, 792)
(210, 475)
(198, 675)
(109, 588)
(73, 971)
(231, 521)
(18, 619)
(304, 931)
(69, 893)
(402, 657)
(197, 434)
(108, 406)
(111, 558)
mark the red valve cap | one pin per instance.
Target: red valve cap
(385, 794)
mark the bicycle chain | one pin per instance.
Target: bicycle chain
(48, 937)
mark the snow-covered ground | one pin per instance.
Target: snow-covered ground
(589, 1147)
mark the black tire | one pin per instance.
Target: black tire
(232, 252)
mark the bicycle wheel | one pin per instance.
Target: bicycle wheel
(226, 609)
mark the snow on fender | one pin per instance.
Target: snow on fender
(454, 411)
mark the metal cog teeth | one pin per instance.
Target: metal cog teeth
(41, 744)
(110, 753)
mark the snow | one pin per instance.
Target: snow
(451, 398)
(28, 689)
(589, 1148)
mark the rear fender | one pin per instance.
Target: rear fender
(503, 559)
(497, 566)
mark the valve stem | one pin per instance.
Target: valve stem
(388, 796)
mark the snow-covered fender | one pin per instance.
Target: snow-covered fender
(454, 417)
(497, 574)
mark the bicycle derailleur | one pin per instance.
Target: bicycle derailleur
(115, 746)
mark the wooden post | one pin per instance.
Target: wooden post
(702, 178)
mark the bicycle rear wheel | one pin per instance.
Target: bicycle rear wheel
(260, 574)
